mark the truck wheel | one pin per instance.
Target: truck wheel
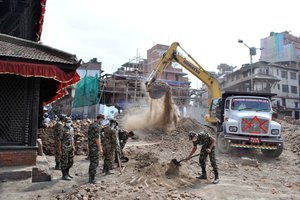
(273, 153)
(222, 144)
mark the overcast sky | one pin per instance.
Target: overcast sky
(115, 30)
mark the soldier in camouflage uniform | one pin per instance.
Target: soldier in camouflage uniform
(123, 137)
(208, 148)
(109, 144)
(58, 128)
(66, 149)
(95, 147)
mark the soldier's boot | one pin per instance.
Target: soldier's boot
(92, 179)
(65, 175)
(57, 166)
(68, 173)
(104, 169)
(108, 173)
(216, 181)
(203, 175)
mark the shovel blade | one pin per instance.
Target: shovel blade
(176, 162)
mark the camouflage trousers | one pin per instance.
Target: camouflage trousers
(57, 159)
(108, 154)
(212, 157)
(94, 160)
(67, 159)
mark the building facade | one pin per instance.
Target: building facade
(282, 48)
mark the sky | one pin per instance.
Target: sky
(116, 31)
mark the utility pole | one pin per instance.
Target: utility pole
(252, 52)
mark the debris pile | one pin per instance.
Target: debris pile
(100, 191)
(291, 120)
(293, 138)
(80, 137)
(145, 159)
(291, 135)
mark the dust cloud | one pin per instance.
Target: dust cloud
(158, 113)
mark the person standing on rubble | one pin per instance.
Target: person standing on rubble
(208, 148)
(58, 128)
(95, 147)
(109, 142)
(123, 137)
(66, 149)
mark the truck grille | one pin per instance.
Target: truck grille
(255, 125)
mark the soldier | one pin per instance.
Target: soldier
(123, 137)
(95, 147)
(208, 148)
(109, 143)
(66, 149)
(58, 128)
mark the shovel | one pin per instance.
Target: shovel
(177, 163)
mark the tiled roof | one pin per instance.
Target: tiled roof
(19, 48)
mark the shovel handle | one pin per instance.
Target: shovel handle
(191, 157)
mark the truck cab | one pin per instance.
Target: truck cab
(245, 121)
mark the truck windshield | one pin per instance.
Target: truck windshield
(250, 104)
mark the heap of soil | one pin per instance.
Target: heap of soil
(145, 159)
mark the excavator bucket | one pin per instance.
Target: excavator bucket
(157, 89)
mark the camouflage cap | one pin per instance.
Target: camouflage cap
(100, 116)
(192, 134)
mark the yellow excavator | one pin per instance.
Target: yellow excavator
(156, 91)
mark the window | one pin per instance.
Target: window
(294, 89)
(227, 104)
(278, 86)
(285, 88)
(277, 71)
(293, 75)
(296, 104)
(241, 104)
(166, 76)
(283, 74)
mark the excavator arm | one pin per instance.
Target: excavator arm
(193, 67)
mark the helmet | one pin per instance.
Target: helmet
(192, 134)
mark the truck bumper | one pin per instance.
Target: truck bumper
(245, 138)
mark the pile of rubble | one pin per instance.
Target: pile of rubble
(292, 120)
(80, 137)
(100, 191)
(145, 159)
(291, 134)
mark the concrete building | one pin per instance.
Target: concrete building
(282, 48)
(282, 51)
(91, 68)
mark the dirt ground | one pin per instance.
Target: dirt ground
(144, 176)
